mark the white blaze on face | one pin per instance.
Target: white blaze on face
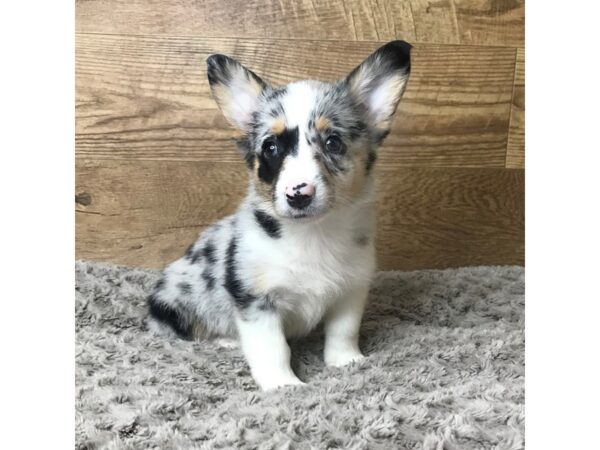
(298, 104)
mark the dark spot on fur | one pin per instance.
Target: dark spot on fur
(245, 146)
(191, 255)
(396, 54)
(189, 252)
(380, 135)
(208, 279)
(276, 94)
(195, 256)
(159, 284)
(268, 223)
(233, 284)
(333, 164)
(209, 253)
(184, 287)
(170, 316)
(392, 57)
(266, 304)
(371, 158)
(219, 70)
(356, 130)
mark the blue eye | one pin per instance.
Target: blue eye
(334, 144)
(270, 148)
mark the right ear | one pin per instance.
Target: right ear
(379, 82)
(235, 89)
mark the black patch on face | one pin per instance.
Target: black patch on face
(209, 253)
(371, 158)
(170, 316)
(270, 165)
(208, 279)
(233, 284)
(361, 240)
(184, 287)
(268, 223)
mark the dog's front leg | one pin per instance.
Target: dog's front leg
(266, 349)
(342, 325)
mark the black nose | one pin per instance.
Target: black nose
(299, 201)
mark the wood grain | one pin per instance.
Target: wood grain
(147, 212)
(470, 22)
(437, 218)
(141, 97)
(515, 151)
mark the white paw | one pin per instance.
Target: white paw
(338, 359)
(227, 343)
(270, 383)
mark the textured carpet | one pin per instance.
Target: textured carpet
(444, 370)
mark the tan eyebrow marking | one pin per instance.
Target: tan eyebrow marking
(278, 126)
(322, 123)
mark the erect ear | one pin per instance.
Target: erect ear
(379, 82)
(235, 89)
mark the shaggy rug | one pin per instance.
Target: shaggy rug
(444, 370)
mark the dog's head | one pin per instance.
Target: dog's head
(311, 145)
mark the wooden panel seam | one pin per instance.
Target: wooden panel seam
(512, 99)
(298, 39)
(457, 22)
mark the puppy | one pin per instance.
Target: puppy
(300, 248)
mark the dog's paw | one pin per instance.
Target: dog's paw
(277, 382)
(339, 359)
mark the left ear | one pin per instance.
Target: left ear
(235, 88)
(379, 82)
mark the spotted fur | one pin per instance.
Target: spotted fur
(279, 266)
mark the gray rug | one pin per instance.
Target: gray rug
(444, 370)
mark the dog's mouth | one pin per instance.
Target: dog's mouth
(305, 215)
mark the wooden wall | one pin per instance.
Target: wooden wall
(155, 161)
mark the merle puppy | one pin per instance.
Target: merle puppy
(300, 248)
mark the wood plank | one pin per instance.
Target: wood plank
(145, 213)
(515, 153)
(141, 97)
(437, 218)
(470, 22)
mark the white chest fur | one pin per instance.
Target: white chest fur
(312, 265)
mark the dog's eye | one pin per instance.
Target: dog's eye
(334, 144)
(269, 148)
